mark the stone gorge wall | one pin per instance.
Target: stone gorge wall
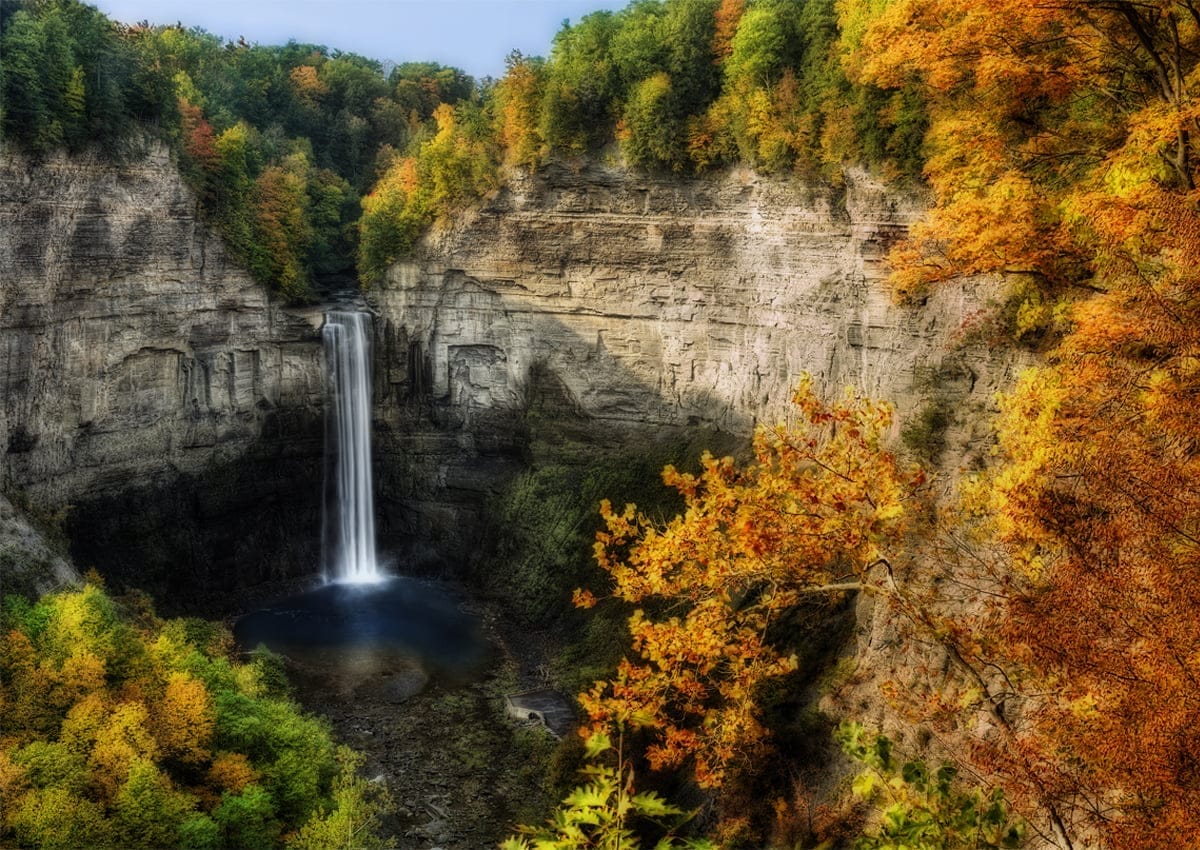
(149, 383)
(670, 303)
(673, 302)
(152, 386)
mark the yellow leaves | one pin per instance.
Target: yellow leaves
(84, 721)
(1085, 707)
(185, 719)
(1026, 430)
(232, 772)
(307, 84)
(81, 623)
(518, 107)
(749, 542)
(123, 739)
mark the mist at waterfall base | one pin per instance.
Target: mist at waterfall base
(360, 620)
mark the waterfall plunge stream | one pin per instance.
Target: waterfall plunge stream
(363, 631)
(348, 524)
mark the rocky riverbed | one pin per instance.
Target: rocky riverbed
(459, 771)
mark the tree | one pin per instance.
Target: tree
(758, 50)
(728, 15)
(353, 820)
(28, 115)
(148, 810)
(582, 83)
(184, 720)
(811, 515)
(283, 229)
(650, 133)
(110, 714)
(248, 819)
(1063, 150)
(55, 819)
(1026, 102)
(518, 102)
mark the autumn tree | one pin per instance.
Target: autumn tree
(1063, 151)
(455, 166)
(1096, 499)
(728, 14)
(813, 514)
(282, 224)
(123, 730)
(518, 104)
(1029, 104)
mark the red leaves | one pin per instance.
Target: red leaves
(198, 138)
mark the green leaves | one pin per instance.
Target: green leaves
(596, 744)
(923, 810)
(605, 813)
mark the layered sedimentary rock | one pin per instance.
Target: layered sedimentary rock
(672, 303)
(148, 383)
(145, 380)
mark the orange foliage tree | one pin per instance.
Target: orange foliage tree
(1029, 103)
(1098, 502)
(728, 14)
(813, 514)
(282, 225)
(518, 110)
(1063, 146)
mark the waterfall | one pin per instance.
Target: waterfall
(348, 521)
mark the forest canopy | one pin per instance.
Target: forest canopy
(124, 730)
(312, 161)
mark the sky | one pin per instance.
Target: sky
(474, 35)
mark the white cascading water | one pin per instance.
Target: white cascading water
(348, 526)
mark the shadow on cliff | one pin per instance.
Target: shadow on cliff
(198, 542)
(447, 460)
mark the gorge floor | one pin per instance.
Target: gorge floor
(459, 771)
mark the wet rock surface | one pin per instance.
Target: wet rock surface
(547, 707)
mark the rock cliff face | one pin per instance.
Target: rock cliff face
(152, 386)
(30, 565)
(672, 302)
(662, 303)
(147, 381)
